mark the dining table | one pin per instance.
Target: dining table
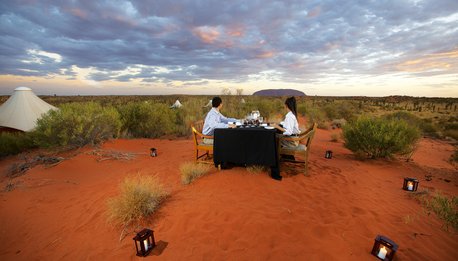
(247, 145)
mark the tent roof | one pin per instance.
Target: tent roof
(22, 110)
(22, 89)
(177, 104)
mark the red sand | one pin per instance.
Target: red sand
(334, 213)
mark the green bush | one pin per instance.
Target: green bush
(302, 109)
(426, 127)
(14, 143)
(185, 116)
(318, 116)
(380, 137)
(148, 120)
(77, 124)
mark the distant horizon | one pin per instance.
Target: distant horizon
(233, 94)
(325, 48)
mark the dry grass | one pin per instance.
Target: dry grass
(256, 169)
(140, 196)
(445, 208)
(191, 171)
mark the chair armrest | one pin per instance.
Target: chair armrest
(207, 137)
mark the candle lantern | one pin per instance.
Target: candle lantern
(153, 152)
(144, 242)
(410, 184)
(384, 248)
(328, 154)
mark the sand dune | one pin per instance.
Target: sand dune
(334, 213)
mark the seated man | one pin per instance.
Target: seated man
(215, 120)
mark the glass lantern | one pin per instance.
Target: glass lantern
(410, 184)
(144, 242)
(384, 248)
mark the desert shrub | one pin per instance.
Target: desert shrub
(426, 127)
(451, 130)
(147, 120)
(454, 156)
(302, 109)
(380, 137)
(405, 116)
(140, 196)
(317, 115)
(429, 129)
(77, 124)
(451, 133)
(14, 143)
(191, 171)
(330, 111)
(188, 114)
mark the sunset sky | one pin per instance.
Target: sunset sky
(330, 47)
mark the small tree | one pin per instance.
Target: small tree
(226, 91)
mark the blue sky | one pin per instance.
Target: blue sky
(342, 48)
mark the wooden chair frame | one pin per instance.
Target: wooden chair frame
(198, 137)
(305, 138)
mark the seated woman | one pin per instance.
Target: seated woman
(215, 119)
(290, 125)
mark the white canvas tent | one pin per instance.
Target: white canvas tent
(22, 110)
(209, 104)
(177, 104)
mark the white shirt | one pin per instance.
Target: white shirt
(290, 124)
(214, 120)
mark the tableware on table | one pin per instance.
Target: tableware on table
(264, 124)
(238, 123)
(269, 127)
(255, 115)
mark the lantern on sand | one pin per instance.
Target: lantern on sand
(144, 242)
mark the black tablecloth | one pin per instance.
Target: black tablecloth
(250, 146)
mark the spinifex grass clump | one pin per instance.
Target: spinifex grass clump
(256, 169)
(140, 196)
(191, 171)
(445, 208)
(380, 137)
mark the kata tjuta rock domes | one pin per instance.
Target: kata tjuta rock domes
(22, 110)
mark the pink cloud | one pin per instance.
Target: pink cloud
(314, 12)
(206, 34)
(78, 13)
(266, 54)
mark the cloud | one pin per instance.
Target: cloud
(233, 41)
